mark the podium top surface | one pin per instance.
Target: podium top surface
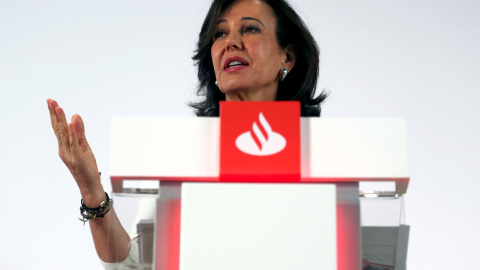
(332, 150)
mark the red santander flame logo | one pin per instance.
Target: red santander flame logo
(261, 140)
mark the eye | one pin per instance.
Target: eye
(251, 29)
(219, 34)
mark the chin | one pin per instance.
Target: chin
(233, 87)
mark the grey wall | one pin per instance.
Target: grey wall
(412, 59)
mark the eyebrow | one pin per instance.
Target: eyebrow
(243, 19)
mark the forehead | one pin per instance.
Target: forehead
(249, 8)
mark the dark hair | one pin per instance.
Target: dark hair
(300, 83)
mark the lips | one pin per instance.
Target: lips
(235, 63)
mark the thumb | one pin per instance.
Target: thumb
(79, 129)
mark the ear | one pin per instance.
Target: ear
(291, 56)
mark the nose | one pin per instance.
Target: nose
(233, 42)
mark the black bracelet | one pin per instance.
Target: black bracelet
(96, 208)
(97, 212)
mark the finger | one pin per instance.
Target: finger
(54, 116)
(57, 129)
(62, 130)
(75, 153)
(51, 109)
(80, 132)
(73, 139)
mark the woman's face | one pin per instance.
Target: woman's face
(245, 53)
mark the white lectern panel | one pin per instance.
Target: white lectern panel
(358, 148)
(258, 226)
(166, 147)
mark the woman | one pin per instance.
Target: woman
(291, 40)
(248, 50)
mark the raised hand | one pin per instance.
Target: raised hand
(110, 238)
(75, 152)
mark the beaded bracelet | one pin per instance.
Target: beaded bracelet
(97, 212)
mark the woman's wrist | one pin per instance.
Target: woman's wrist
(91, 190)
(93, 198)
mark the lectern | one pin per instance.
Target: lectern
(259, 187)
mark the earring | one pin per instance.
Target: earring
(284, 74)
(216, 83)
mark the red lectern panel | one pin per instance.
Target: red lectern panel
(260, 142)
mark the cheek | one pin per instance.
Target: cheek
(267, 54)
(213, 51)
(216, 57)
(216, 53)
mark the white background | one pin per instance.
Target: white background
(413, 59)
